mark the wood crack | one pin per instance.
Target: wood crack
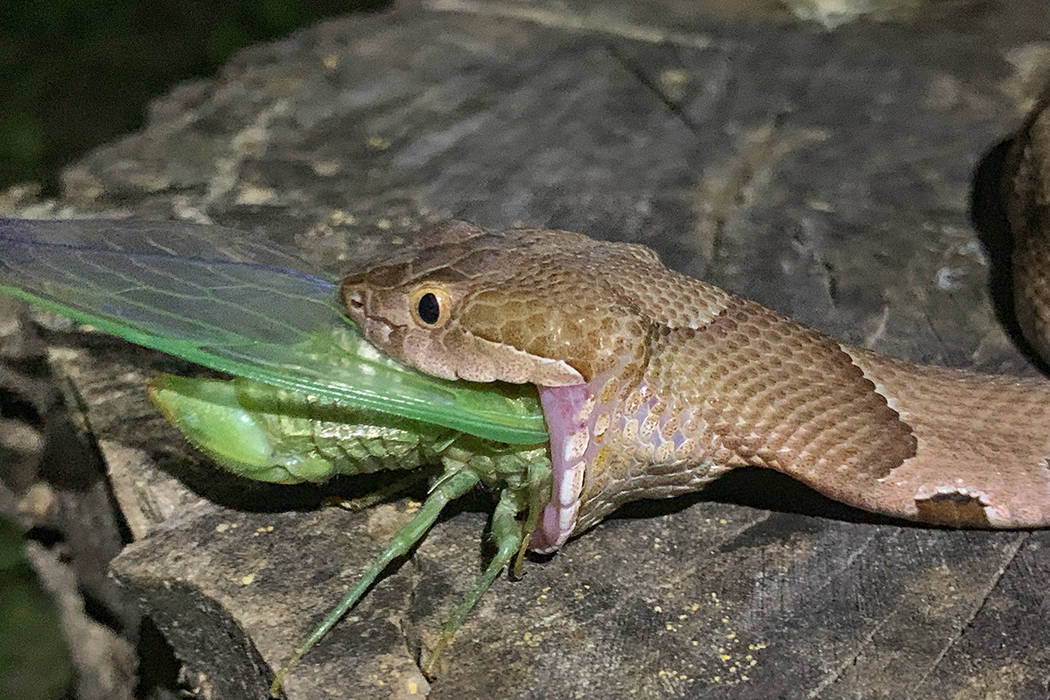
(835, 675)
(640, 75)
(1011, 554)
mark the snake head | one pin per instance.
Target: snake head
(551, 308)
(519, 306)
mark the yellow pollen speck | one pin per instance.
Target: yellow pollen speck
(683, 616)
(695, 643)
(413, 688)
(531, 639)
(669, 627)
(326, 168)
(716, 679)
(744, 677)
(674, 76)
(657, 609)
(380, 144)
(723, 521)
(247, 580)
(330, 61)
(222, 527)
(731, 635)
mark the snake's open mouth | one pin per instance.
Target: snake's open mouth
(566, 411)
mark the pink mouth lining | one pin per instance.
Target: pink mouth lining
(562, 407)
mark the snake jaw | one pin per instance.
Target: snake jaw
(564, 407)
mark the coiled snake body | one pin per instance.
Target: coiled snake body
(654, 383)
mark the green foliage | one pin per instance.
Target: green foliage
(75, 74)
(34, 661)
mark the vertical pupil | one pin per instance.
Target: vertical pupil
(429, 308)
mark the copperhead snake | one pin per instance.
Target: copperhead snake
(654, 383)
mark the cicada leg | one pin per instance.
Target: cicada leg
(449, 487)
(539, 494)
(507, 533)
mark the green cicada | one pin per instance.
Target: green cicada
(309, 398)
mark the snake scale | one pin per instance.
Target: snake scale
(654, 383)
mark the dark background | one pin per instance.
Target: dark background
(74, 75)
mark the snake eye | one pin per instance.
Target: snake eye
(431, 307)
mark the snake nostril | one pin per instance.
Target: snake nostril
(353, 299)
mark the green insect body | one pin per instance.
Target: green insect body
(268, 434)
(276, 435)
(310, 399)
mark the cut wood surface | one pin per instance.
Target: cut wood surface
(843, 175)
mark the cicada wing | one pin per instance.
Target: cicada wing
(240, 304)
